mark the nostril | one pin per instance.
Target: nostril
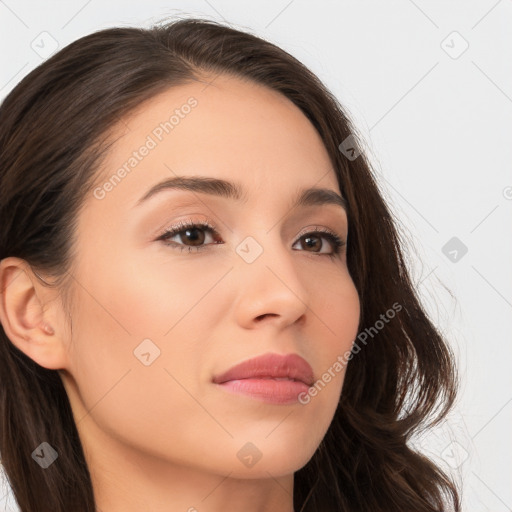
(261, 317)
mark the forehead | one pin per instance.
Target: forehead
(225, 128)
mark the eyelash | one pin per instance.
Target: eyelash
(333, 238)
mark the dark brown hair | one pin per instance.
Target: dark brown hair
(53, 136)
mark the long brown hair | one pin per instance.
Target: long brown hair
(53, 136)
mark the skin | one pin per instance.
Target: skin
(163, 437)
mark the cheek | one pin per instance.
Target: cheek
(336, 308)
(151, 405)
(134, 300)
(127, 318)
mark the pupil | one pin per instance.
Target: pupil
(312, 244)
(192, 233)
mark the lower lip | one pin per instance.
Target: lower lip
(272, 391)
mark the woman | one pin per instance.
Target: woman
(205, 305)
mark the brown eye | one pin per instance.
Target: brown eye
(312, 242)
(195, 236)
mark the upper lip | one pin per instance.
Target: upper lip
(270, 365)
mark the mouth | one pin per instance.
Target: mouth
(271, 378)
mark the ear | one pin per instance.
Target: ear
(30, 315)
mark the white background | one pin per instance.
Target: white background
(438, 126)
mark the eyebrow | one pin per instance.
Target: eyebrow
(235, 191)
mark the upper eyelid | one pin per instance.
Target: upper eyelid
(339, 215)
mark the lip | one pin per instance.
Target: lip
(272, 378)
(270, 366)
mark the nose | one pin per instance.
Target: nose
(270, 291)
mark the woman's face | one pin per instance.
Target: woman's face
(156, 319)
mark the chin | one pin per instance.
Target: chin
(277, 460)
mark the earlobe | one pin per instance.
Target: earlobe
(23, 317)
